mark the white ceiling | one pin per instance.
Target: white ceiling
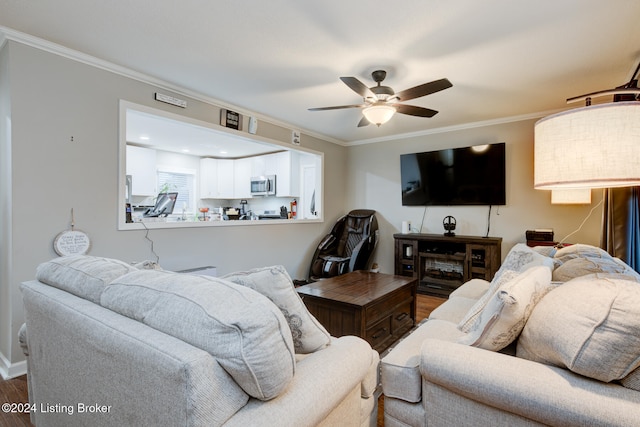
(505, 58)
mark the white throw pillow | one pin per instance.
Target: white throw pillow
(506, 313)
(276, 284)
(520, 258)
(242, 329)
(590, 325)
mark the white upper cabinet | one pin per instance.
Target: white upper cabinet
(216, 179)
(242, 174)
(287, 174)
(285, 165)
(141, 165)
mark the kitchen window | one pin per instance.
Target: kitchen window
(181, 181)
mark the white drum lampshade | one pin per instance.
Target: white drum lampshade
(591, 147)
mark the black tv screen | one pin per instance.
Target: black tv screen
(453, 177)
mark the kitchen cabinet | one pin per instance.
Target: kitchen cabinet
(216, 179)
(231, 179)
(285, 165)
(287, 174)
(242, 178)
(141, 165)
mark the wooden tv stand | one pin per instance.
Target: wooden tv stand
(442, 263)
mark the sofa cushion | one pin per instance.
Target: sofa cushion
(473, 289)
(243, 330)
(520, 258)
(590, 325)
(453, 310)
(276, 284)
(84, 276)
(506, 313)
(400, 368)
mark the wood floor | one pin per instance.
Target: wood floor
(15, 390)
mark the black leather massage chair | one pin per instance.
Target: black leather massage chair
(348, 247)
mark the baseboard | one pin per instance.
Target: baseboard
(10, 370)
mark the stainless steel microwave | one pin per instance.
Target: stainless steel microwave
(263, 185)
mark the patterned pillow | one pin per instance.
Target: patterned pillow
(581, 251)
(276, 284)
(506, 313)
(578, 267)
(589, 325)
(520, 258)
(632, 380)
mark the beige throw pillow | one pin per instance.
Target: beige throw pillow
(506, 313)
(590, 325)
(577, 267)
(520, 258)
(276, 284)
(580, 251)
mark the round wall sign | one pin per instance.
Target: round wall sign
(72, 242)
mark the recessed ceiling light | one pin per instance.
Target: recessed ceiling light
(223, 152)
(144, 138)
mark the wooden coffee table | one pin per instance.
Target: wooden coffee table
(380, 308)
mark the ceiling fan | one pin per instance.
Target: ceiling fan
(381, 102)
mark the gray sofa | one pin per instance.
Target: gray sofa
(109, 344)
(554, 339)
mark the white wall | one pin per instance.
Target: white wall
(53, 99)
(374, 183)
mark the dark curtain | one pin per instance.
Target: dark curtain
(621, 224)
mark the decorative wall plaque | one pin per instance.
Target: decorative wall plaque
(231, 119)
(72, 242)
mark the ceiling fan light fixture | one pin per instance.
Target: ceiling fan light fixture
(379, 114)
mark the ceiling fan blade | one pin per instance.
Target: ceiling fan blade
(363, 122)
(424, 89)
(358, 87)
(412, 110)
(337, 107)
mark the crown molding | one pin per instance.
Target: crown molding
(56, 49)
(453, 128)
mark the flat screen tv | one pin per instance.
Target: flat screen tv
(454, 177)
